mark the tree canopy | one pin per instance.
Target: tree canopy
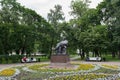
(96, 30)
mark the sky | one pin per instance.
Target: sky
(43, 7)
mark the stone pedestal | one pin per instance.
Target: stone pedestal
(61, 61)
(60, 58)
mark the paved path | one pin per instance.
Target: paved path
(74, 58)
(9, 65)
(2, 66)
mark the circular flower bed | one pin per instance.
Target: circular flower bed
(46, 68)
(76, 71)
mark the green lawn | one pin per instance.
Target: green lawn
(107, 57)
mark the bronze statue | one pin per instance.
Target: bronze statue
(61, 47)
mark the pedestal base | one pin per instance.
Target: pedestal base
(60, 59)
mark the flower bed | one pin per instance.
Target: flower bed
(85, 67)
(38, 66)
(46, 68)
(88, 76)
(113, 67)
(80, 72)
(7, 72)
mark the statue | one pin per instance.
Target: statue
(60, 54)
(61, 47)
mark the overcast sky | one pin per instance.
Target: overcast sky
(43, 7)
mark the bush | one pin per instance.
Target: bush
(4, 59)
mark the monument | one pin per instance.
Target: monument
(60, 56)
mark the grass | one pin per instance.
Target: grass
(42, 59)
(33, 76)
(108, 57)
(71, 56)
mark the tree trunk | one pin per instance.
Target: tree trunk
(87, 54)
(23, 50)
(100, 54)
(113, 54)
(17, 52)
(51, 48)
(6, 57)
(82, 54)
(96, 52)
(119, 55)
(93, 54)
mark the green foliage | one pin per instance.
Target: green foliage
(94, 38)
(21, 29)
(4, 38)
(79, 7)
(110, 13)
(5, 59)
(55, 17)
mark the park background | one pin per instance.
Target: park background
(92, 31)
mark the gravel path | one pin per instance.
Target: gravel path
(2, 66)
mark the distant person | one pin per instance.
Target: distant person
(24, 59)
(31, 58)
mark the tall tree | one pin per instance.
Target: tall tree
(79, 9)
(4, 38)
(110, 13)
(10, 11)
(27, 26)
(55, 17)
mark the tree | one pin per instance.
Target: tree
(26, 27)
(10, 11)
(4, 38)
(79, 9)
(110, 13)
(55, 17)
(95, 39)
